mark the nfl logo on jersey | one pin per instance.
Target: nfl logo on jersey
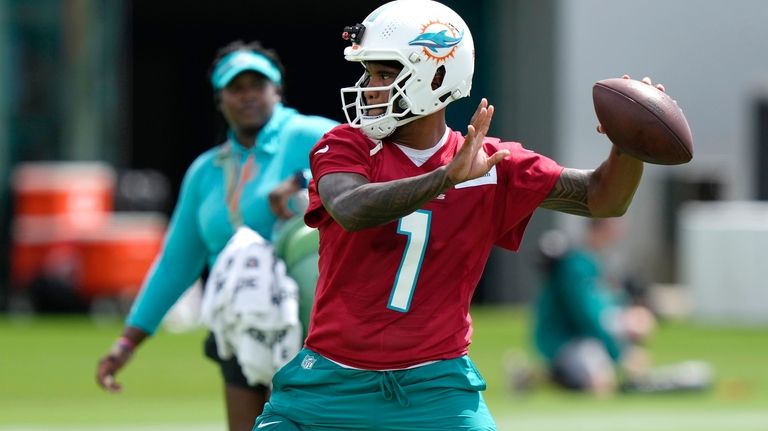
(308, 362)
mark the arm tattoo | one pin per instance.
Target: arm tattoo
(569, 195)
(357, 204)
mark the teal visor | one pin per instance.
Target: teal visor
(240, 61)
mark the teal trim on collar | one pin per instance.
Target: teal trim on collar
(240, 61)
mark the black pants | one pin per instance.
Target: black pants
(230, 368)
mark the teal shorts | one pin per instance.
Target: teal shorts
(313, 393)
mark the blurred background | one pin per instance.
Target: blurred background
(105, 103)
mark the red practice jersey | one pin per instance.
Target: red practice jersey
(398, 295)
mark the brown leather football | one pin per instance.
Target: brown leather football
(643, 121)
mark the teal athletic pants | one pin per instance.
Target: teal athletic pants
(313, 393)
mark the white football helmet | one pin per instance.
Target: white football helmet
(423, 36)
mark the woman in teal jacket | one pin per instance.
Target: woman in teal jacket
(244, 181)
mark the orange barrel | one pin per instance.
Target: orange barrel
(115, 258)
(42, 246)
(81, 192)
(54, 203)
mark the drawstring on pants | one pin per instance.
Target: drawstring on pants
(390, 387)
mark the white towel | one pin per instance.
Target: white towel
(251, 306)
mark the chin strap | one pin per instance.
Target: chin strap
(379, 128)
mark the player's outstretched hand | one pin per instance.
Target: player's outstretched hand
(646, 80)
(109, 365)
(471, 162)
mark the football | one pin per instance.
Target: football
(643, 121)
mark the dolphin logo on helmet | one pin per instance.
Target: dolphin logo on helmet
(434, 41)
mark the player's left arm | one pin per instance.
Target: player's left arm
(603, 192)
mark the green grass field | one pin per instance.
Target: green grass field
(47, 381)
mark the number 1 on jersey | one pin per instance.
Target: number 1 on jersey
(416, 227)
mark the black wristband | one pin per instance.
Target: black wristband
(300, 179)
